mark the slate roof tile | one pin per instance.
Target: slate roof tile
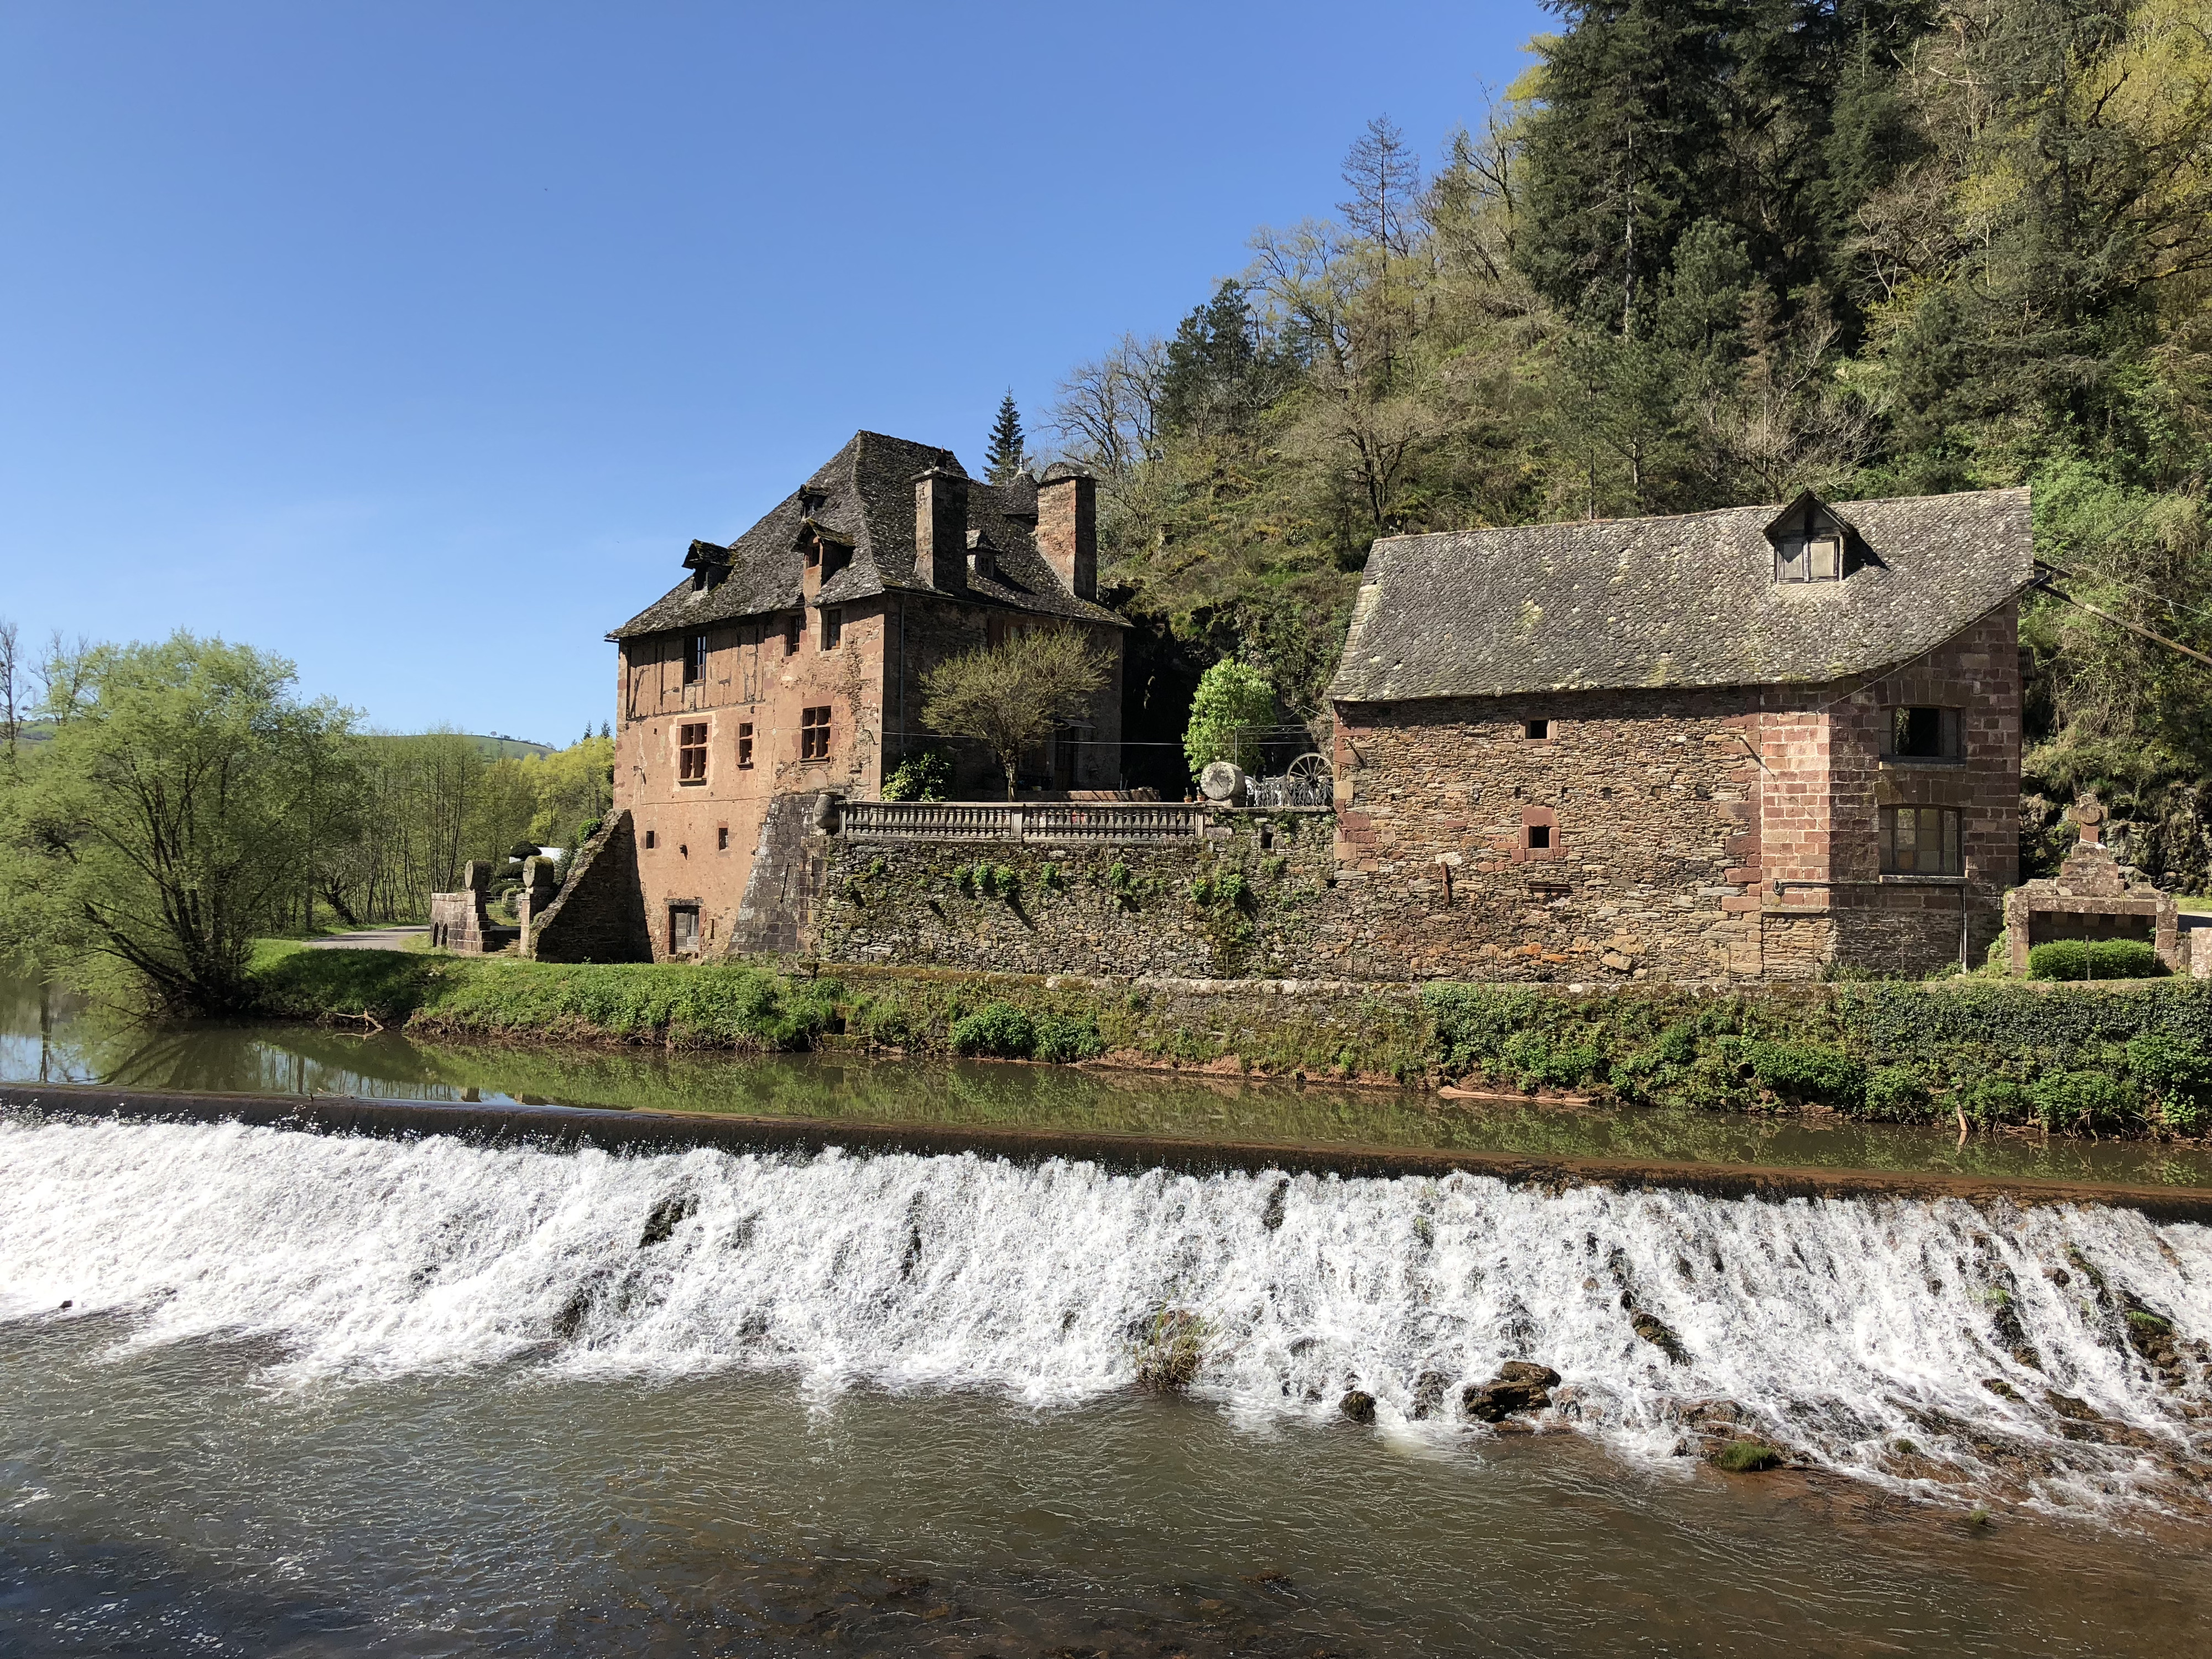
(864, 495)
(1688, 600)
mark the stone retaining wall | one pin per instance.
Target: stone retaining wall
(1254, 895)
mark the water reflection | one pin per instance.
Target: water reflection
(60, 1039)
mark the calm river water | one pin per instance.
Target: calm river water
(315, 1395)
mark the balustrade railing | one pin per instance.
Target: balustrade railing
(1096, 822)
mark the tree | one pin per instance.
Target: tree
(1384, 176)
(12, 692)
(1013, 696)
(1008, 455)
(1231, 716)
(1109, 412)
(170, 817)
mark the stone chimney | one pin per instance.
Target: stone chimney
(940, 529)
(1067, 526)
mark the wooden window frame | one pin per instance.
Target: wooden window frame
(833, 627)
(691, 752)
(695, 658)
(794, 630)
(814, 729)
(744, 745)
(1810, 556)
(1910, 854)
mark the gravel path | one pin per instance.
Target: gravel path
(369, 939)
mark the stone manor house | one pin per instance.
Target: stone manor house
(1732, 745)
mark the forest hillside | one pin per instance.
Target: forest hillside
(1705, 252)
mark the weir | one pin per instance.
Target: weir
(612, 1130)
(2048, 1351)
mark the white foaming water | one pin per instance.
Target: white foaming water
(1835, 1327)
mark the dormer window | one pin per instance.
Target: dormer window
(1810, 540)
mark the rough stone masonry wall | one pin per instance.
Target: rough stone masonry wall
(1252, 899)
(599, 915)
(1649, 808)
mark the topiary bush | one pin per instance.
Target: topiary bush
(2100, 958)
(997, 1030)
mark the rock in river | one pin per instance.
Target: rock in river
(1519, 1385)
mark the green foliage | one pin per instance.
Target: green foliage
(1007, 455)
(1895, 1051)
(924, 776)
(676, 1004)
(2083, 1102)
(1064, 1039)
(1230, 716)
(2102, 958)
(181, 806)
(1802, 1073)
(999, 1030)
(2177, 1076)
(1012, 697)
(1746, 1457)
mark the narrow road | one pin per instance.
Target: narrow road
(369, 939)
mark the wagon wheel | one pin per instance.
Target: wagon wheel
(1310, 766)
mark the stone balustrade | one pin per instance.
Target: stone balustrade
(1043, 823)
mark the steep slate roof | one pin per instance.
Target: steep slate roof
(1682, 601)
(863, 497)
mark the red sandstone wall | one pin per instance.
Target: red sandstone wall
(748, 679)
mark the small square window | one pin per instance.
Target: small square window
(691, 752)
(814, 734)
(1535, 730)
(744, 745)
(1539, 837)
(833, 629)
(1922, 735)
(695, 659)
(1920, 841)
(1817, 556)
(722, 838)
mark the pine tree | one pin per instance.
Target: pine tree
(1008, 455)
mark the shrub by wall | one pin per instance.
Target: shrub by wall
(2101, 958)
(2125, 1059)
(2134, 1057)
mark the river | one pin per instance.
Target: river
(312, 1394)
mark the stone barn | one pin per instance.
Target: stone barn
(1736, 745)
(783, 674)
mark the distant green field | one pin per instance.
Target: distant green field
(507, 748)
(496, 748)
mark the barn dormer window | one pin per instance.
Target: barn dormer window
(1810, 540)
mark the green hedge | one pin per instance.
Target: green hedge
(2102, 958)
(2121, 1059)
(711, 1006)
(2132, 1057)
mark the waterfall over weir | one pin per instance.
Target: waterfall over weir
(2043, 1354)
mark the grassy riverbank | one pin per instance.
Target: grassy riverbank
(2096, 1060)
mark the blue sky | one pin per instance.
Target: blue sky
(416, 342)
